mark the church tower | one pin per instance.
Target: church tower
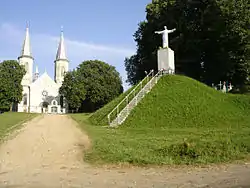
(26, 59)
(61, 62)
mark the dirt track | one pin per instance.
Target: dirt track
(47, 152)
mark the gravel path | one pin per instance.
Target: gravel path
(47, 152)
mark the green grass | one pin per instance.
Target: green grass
(181, 121)
(11, 120)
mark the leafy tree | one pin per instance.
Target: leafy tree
(11, 75)
(237, 18)
(101, 81)
(93, 84)
(211, 42)
(73, 90)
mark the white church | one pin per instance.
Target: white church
(41, 92)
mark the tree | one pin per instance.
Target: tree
(11, 75)
(101, 81)
(237, 13)
(211, 42)
(93, 84)
(73, 90)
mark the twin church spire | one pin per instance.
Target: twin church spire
(61, 61)
(26, 49)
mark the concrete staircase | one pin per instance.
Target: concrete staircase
(119, 114)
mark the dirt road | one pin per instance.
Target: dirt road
(47, 152)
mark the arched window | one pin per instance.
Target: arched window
(27, 67)
(54, 102)
(63, 71)
(25, 96)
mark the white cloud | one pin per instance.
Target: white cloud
(44, 48)
(97, 47)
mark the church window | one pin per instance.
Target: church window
(63, 71)
(27, 67)
(54, 102)
(25, 99)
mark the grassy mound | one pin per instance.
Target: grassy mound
(178, 101)
(181, 121)
(10, 120)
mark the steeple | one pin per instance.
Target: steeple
(25, 59)
(61, 54)
(61, 62)
(26, 50)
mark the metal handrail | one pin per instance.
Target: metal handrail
(143, 90)
(126, 98)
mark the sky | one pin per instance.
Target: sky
(93, 29)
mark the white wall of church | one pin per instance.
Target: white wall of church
(43, 84)
(39, 102)
(23, 105)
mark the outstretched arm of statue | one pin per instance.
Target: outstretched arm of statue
(171, 31)
(159, 32)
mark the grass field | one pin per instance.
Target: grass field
(181, 121)
(10, 120)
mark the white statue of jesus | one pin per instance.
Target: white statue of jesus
(165, 33)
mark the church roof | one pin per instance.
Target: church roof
(45, 80)
(61, 53)
(26, 49)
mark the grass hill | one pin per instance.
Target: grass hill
(178, 101)
(181, 121)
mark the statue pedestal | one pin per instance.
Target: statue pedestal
(166, 60)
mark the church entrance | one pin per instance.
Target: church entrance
(45, 107)
(54, 109)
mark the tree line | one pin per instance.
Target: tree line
(211, 41)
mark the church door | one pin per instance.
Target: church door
(54, 109)
(45, 107)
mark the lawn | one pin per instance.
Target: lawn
(11, 120)
(181, 121)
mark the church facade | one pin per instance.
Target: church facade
(41, 92)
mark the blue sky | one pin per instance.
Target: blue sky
(92, 29)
